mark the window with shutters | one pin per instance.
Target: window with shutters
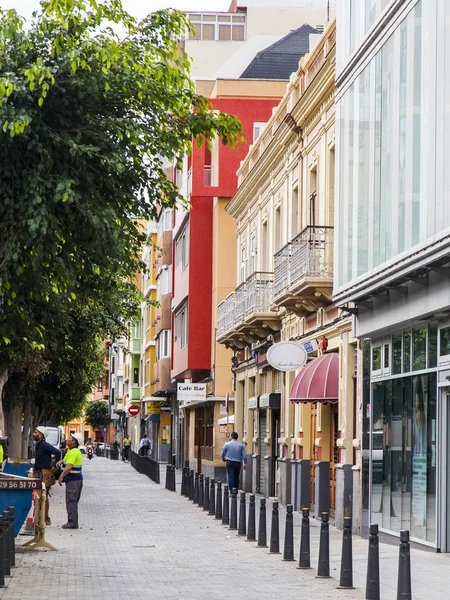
(278, 381)
(263, 382)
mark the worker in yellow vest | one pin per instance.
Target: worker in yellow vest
(126, 448)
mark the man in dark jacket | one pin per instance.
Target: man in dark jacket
(43, 454)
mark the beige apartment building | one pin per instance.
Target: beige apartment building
(298, 427)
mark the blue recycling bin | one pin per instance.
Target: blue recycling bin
(18, 492)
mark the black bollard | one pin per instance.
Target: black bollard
(346, 578)
(288, 553)
(226, 506)
(323, 568)
(304, 561)
(404, 590)
(275, 531)
(2, 561)
(191, 485)
(373, 566)
(12, 537)
(201, 490)
(212, 498)
(219, 501)
(251, 527)
(196, 487)
(262, 533)
(5, 544)
(242, 529)
(183, 482)
(233, 511)
(206, 495)
(167, 477)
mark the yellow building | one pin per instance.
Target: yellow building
(303, 447)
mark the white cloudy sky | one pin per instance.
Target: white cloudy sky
(139, 8)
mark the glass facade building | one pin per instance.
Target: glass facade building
(392, 261)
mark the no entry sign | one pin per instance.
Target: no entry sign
(134, 410)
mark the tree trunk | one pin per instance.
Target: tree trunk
(3, 380)
(14, 421)
(27, 425)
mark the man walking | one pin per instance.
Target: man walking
(234, 453)
(126, 448)
(72, 476)
(43, 455)
(144, 445)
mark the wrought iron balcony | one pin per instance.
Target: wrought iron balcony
(246, 312)
(303, 270)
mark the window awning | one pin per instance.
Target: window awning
(318, 381)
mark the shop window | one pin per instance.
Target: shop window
(403, 455)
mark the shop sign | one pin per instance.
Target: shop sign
(153, 408)
(223, 409)
(287, 356)
(191, 392)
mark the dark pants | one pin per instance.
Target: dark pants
(73, 493)
(233, 471)
(144, 450)
(126, 453)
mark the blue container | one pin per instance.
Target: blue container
(18, 492)
(17, 466)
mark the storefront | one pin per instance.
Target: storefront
(408, 422)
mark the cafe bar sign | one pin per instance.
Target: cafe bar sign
(191, 392)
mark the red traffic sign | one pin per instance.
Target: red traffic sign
(134, 410)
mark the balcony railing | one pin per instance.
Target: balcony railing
(308, 256)
(251, 297)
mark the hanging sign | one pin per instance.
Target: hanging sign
(287, 356)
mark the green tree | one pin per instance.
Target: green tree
(97, 415)
(88, 121)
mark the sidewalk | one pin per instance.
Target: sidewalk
(138, 540)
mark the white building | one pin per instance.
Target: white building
(393, 223)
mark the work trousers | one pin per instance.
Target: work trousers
(73, 493)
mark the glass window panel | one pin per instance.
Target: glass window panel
(444, 339)
(387, 437)
(376, 358)
(405, 515)
(377, 452)
(196, 31)
(396, 354)
(209, 18)
(224, 18)
(209, 32)
(419, 349)
(238, 33)
(238, 18)
(430, 389)
(396, 443)
(432, 346)
(406, 352)
(224, 33)
(386, 356)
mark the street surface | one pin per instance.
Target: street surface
(138, 541)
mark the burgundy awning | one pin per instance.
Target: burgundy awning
(318, 381)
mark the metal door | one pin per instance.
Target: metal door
(262, 452)
(334, 459)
